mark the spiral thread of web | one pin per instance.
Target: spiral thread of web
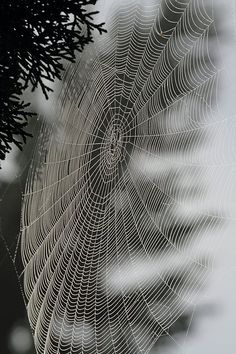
(103, 204)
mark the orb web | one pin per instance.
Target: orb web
(109, 256)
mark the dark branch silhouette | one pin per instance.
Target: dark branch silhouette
(35, 35)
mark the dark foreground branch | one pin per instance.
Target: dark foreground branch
(35, 35)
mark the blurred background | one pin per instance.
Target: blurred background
(208, 326)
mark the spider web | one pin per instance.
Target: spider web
(110, 253)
